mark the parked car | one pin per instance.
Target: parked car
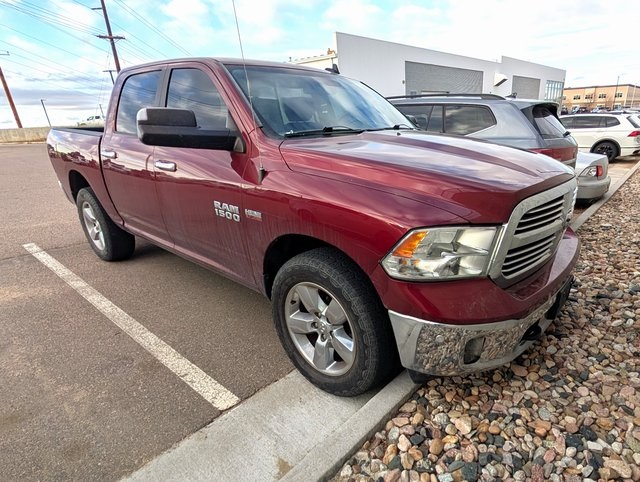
(92, 121)
(593, 176)
(610, 134)
(528, 124)
(308, 187)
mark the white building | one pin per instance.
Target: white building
(397, 69)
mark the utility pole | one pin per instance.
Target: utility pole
(45, 111)
(9, 98)
(110, 35)
(615, 94)
(111, 71)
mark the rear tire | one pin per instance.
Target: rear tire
(106, 239)
(607, 148)
(332, 324)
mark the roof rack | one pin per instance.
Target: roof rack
(447, 94)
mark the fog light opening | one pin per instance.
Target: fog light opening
(532, 334)
(473, 350)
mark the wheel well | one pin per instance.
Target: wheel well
(605, 140)
(282, 250)
(76, 182)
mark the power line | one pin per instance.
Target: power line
(48, 81)
(52, 65)
(130, 35)
(48, 16)
(74, 54)
(151, 26)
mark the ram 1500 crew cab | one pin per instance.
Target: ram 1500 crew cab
(378, 244)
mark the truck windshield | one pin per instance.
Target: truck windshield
(290, 102)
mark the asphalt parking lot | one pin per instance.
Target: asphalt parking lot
(81, 399)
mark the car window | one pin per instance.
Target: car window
(587, 122)
(547, 123)
(633, 121)
(467, 119)
(567, 122)
(611, 122)
(192, 89)
(420, 113)
(290, 101)
(138, 91)
(435, 120)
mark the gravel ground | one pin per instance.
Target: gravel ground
(567, 410)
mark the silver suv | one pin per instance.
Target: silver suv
(526, 124)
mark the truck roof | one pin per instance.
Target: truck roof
(225, 61)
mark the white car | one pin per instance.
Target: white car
(92, 121)
(610, 134)
(593, 176)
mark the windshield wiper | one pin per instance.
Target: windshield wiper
(396, 127)
(325, 131)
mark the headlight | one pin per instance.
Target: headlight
(442, 253)
(590, 171)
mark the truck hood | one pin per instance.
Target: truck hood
(476, 180)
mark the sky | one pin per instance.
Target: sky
(55, 64)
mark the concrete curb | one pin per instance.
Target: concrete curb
(327, 457)
(580, 220)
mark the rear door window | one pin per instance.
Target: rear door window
(547, 123)
(467, 119)
(588, 122)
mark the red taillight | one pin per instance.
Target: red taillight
(634, 134)
(599, 171)
(559, 153)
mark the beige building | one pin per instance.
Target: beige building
(606, 96)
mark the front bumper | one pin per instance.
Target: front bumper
(444, 349)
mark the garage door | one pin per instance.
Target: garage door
(428, 78)
(526, 87)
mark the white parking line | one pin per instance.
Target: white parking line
(203, 384)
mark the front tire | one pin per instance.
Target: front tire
(607, 148)
(332, 323)
(106, 239)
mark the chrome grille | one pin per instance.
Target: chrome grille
(541, 216)
(526, 257)
(532, 234)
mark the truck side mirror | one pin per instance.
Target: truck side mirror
(163, 126)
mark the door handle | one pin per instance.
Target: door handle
(108, 154)
(166, 166)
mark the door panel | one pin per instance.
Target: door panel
(128, 164)
(201, 199)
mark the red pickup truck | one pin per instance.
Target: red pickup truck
(378, 244)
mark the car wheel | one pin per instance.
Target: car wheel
(106, 239)
(332, 323)
(607, 148)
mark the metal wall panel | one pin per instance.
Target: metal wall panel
(526, 87)
(429, 78)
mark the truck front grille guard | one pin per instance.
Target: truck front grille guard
(532, 234)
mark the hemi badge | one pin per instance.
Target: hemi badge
(251, 214)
